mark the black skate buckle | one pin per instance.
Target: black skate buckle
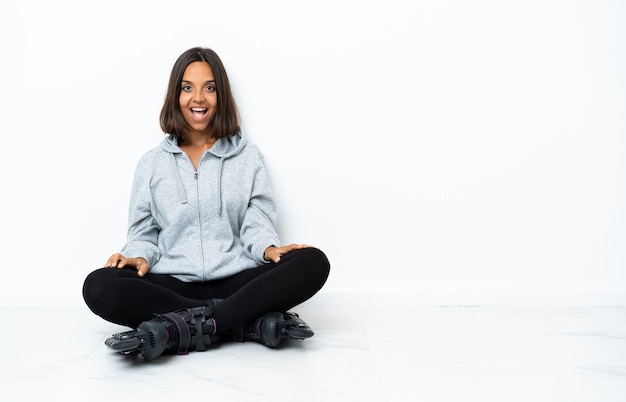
(197, 317)
(197, 312)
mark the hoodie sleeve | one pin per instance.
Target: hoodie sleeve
(143, 231)
(258, 230)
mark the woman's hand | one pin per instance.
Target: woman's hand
(117, 260)
(274, 253)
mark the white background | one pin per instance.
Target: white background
(450, 151)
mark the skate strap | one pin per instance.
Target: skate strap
(197, 317)
(183, 332)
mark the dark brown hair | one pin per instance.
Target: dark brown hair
(226, 120)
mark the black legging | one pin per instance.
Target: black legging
(122, 297)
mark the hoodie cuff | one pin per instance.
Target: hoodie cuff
(150, 256)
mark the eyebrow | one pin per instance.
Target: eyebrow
(207, 82)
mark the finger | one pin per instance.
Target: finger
(114, 260)
(121, 262)
(274, 256)
(142, 269)
(299, 246)
(110, 261)
(294, 246)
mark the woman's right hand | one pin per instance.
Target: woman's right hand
(117, 260)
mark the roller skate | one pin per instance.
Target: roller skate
(172, 333)
(272, 328)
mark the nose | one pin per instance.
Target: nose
(198, 96)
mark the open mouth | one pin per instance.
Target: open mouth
(199, 113)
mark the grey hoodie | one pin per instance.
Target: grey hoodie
(203, 225)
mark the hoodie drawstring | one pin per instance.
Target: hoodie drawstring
(219, 188)
(179, 181)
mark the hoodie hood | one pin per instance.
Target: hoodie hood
(223, 148)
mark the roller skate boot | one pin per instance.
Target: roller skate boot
(272, 328)
(172, 333)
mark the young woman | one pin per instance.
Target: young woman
(203, 262)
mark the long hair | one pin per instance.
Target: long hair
(226, 120)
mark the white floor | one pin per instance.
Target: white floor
(362, 351)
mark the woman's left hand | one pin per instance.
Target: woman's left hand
(274, 253)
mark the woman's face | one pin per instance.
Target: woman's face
(198, 97)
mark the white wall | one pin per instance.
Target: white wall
(462, 151)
